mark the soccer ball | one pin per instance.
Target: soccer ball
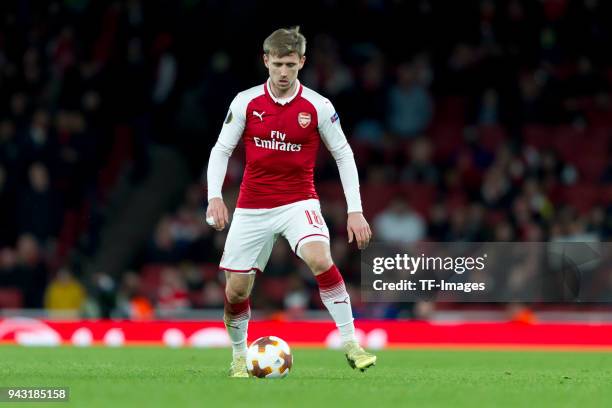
(269, 357)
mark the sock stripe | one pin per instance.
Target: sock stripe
(237, 311)
(337, 292)
(330, 278)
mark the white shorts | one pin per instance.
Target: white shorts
(253, 232)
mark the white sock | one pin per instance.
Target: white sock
(347, 332)
(237, 331)
(236, 318)
(338, 303)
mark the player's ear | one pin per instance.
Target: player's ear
(265, 60)
(302, 61)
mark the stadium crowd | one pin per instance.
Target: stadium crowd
(498, 130)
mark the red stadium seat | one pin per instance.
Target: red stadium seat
(150, 278)
(330, 191)
(274, 289)
(447, 139)
(376, 197)
(591, 168)
(492, 137)
(566, 141)
(450, 109)
(210, 270)
(538, 136)
(420, 196)
(11, 298)
(606, 195)
(582, 197)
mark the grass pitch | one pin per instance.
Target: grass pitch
(162, 377)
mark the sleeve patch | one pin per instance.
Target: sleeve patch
(334, 117)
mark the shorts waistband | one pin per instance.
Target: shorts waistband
(266, 210)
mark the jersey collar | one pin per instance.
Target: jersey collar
(284, 101)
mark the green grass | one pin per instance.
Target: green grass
(161, 377)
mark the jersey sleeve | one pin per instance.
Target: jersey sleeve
(230, 135)
(334, 139)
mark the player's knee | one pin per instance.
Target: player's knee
(319, 263)
(236, 295)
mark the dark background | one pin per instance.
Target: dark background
(470, 121)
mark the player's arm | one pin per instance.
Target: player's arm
(231, 132)
(335, 140)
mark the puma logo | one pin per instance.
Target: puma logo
(337, 302)
(259, 115)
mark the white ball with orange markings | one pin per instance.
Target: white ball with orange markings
(269, 357)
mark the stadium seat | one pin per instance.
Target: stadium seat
(420, 196)
(606, 195)
(330, 191)
(376, 197)
(566, 141)
(11, 298)
(150, 278)
(491, 137)
(210, 270)
(450, 109)
(582, 197)
(274, 289)
(447, 139)
(591, 168)
(538, 136)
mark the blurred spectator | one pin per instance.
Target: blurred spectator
(421, 168)
(8, 268)
(31, 271)
(496, 190)
(131, 303)
(64, 294)
(410, 105)
(213, 295)
(297, 298)
(38, 205)
(163, 248)
(172, 294)
(488, 110)
(398, 223)
(102, 290)
(7, 210)
(279, 263)
(370, 101)
(38, 142)
(325, 71)
(188, 229)
(437, 228)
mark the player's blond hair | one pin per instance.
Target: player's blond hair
(285, 41)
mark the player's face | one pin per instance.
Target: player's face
(283, 70)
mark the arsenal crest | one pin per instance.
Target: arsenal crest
(304, 119)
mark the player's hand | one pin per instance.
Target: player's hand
(358, 228)
(218, 211)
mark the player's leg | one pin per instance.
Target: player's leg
(317, 255)
(308, 235)
(237, 310)
(248, 241)
(336, 299)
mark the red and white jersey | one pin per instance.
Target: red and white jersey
(281, 138)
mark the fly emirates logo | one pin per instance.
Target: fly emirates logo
(277, 142)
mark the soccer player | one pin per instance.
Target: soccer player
(281, 123)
